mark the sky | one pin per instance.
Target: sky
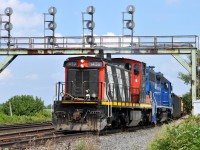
(37, 75)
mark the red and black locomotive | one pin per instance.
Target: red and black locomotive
(110, 93)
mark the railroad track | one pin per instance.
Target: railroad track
(127, 129)
(22, 136)
(26, 135)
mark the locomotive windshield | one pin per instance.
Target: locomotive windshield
(83, 82)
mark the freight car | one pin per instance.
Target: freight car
(177, 106)
(110, 93)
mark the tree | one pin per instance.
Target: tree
(187, 100)
(23, 105)
(187, 78)
(49, 106)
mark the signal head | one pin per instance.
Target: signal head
(8, 11)
(8, 26)
(130, 9)
(52, 10)
(91, 10)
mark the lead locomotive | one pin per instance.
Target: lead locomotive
(111, 93)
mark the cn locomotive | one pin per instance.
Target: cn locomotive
(101, 93)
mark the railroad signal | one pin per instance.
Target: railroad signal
(128, 23)
(52, 10)
(90, 25)
(51, 25)
(90, 40)
(91, 10)
(7, 24)
(130, 9)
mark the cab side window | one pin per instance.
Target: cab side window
(136, 69)
(166, 86)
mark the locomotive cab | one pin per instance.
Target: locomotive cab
(83, 79)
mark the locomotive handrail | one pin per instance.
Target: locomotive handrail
(109, 100)
(60, 86)
(59, 90)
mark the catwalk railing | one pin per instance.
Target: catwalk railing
(101, 42)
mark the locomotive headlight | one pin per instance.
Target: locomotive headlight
(95, 64)
(94, 95)
(82, 60)
(82, 65)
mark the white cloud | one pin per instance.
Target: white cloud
(31, 77)
(17, 5)
(5, 74)
(24, 17)
(109, 34)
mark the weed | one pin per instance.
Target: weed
(184, 136)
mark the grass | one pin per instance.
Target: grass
(38, 117)
(85, 145)
(183, 136)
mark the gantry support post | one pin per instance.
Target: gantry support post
(195, 102)
(6, 62)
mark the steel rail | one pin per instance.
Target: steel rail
(26, 125)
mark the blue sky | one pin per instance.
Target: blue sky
(37, 75)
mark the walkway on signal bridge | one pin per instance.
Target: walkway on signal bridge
(79, 45)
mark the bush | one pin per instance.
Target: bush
(23, 105)
(42, 116)
(185, 136)
(187, 101)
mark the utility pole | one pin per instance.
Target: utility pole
(10, 109)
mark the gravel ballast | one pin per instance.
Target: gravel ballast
(137, 140)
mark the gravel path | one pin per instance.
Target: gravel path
(122, 141)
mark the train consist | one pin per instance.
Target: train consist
(112, 93)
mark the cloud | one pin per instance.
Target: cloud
(109, 34)
(24, 17)
(5, 74)
(31, 77)
(17, 5)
